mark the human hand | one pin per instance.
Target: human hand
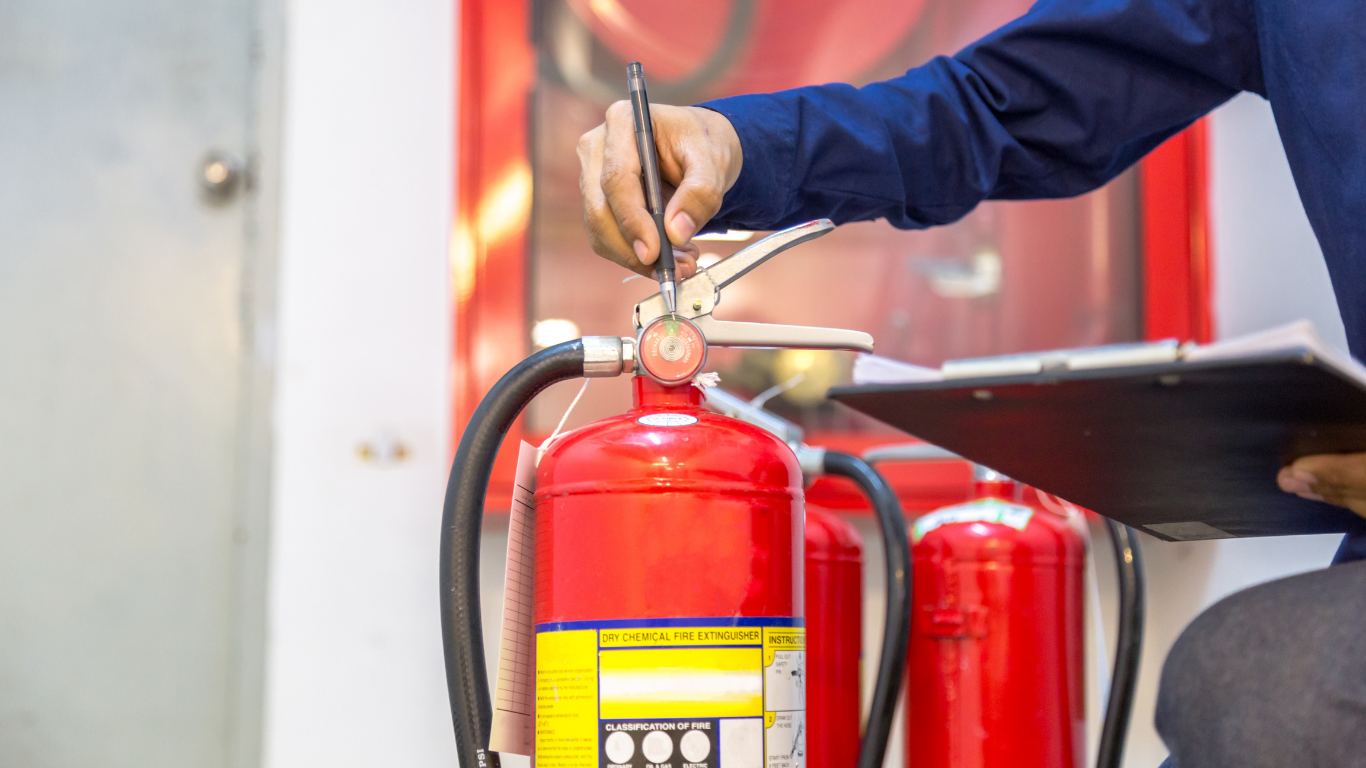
(1335, 478)
(699, 160)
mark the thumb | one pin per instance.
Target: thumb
(1332, 471)
(695, 201)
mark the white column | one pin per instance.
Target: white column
(354, 671)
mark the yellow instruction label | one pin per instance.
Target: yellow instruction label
(671, 693)
(567, 699)
(782, 639)
(784, 697)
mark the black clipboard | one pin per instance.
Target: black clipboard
(1180, 450)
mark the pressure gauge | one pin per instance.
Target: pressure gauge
(672, 350)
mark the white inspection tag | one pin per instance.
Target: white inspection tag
(513, 730)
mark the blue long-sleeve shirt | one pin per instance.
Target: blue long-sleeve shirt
(1061, 101)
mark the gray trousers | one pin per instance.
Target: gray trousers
(1272, 677)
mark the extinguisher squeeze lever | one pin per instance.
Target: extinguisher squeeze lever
(699, 295)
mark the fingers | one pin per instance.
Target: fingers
(696, 200)
(699, 155)
(1335, 478)
(1344, 470)
(685, 260)
(604, 235)
(1354, 501)
(697, 168)
(621, 184)
(1298, 482)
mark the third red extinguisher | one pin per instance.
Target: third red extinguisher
(996, 653)
(996, 635)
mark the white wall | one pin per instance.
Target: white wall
(354, 672)
(1268, 270)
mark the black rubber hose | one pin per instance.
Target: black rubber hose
(462, 630)
(896, 635)
(1128, 644)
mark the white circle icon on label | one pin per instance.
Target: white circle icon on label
(619, 747)
(657, 747)
(666, 420)
(695, 746)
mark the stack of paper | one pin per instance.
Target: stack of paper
(1298, 338)
(1294, 338)
(873, 369)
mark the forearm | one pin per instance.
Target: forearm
(1052, 105)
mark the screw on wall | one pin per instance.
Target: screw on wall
(383, 450)
(221, 175)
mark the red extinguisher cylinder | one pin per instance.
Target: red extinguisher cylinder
(669, 627)
(996, 652)
(668, 510)
(834, 639)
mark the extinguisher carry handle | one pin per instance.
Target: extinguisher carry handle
(910, 452)
(699, 295)
(720, 333)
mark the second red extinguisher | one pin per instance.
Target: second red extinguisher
(834, 601)
(834, 639)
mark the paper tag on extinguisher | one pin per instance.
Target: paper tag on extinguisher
(513, 730)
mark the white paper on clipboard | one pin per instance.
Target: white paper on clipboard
(514, 700)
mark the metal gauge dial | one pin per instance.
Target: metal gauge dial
(672, 350)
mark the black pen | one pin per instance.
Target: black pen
(654, 194)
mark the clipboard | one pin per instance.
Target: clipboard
(1181, 450)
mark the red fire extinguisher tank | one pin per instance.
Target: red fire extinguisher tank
(668, 583)
(834, 639)
(996, 655)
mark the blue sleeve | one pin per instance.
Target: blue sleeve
(1052, 105)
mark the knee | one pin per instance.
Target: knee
(1248, 677)
(1214, 689)
(1198, 668)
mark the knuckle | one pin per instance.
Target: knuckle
(589, 185)
(613, 175)
(701, 196)
(589, 141)
(619, 110)
(593, 216)
(601, 226)
(709, 196)
(599, 247)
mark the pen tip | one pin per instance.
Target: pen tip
(668, 289)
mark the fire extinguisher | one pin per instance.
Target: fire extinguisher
(996, 667)
(834, 594)
(669, 625)
(834, 639)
